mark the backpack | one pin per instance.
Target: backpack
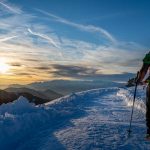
(146, 65)
(146, 59)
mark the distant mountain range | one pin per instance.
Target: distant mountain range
(41, 92)
(65, 87)
(38, 97)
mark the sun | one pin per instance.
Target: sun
(4, 67)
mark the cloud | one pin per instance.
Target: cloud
(86, 73)
(15, 64)
(73, 71)
(42, 68)
(31, 59)
(11, 8)
(23, 74)
(87, 28)
(54, 56)
(50, 40)
(7, 38)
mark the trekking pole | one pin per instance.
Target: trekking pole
(136, 83)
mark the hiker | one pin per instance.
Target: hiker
(144, 78)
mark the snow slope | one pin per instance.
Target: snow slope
(91, 120)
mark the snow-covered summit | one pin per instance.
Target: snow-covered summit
(91, 120)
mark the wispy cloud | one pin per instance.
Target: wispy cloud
(34, 59)
(87, 28)
(7, 38)
(50, 40)
(11, 8)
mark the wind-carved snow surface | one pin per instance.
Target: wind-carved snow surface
(91, 120)
(128, 95)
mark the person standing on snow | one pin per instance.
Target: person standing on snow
(144, 77)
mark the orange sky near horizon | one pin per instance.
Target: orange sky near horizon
(37, 45)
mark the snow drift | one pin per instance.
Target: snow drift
(94, 119)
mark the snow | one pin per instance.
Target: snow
(92, 120)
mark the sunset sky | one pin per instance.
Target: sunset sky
(71, 39)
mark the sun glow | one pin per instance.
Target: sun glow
(4, 67)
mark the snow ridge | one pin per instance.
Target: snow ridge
(128, 94)
(94, 119)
